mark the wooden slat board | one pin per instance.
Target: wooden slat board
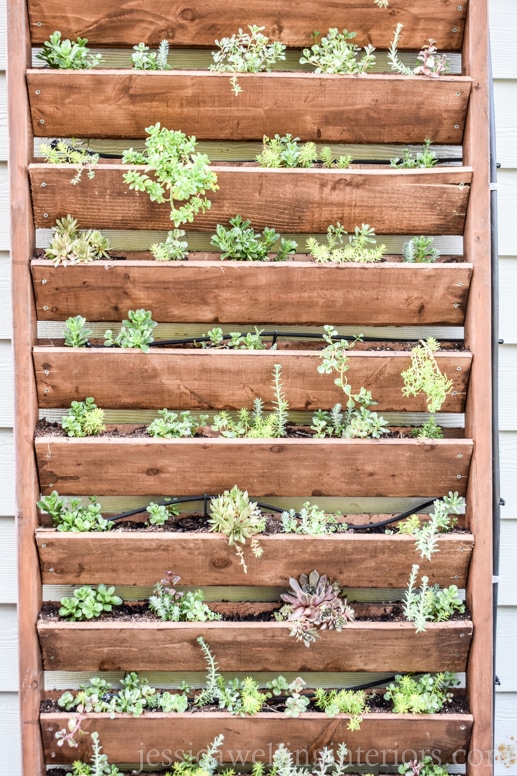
(208, 379)
(156, 646)
(240, 292)
(344, 109)
(202, 22)
(264, 467)
(381, 735)
(392, 201)
(353, 560)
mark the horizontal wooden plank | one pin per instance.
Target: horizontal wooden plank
(203, 22)
(8, 581)
(8, 649)
(208, 379)
(343, 109)
(383, 737)
(114, 466)
(393, 201)
(152, 646)
(237, 292)
(353, 560)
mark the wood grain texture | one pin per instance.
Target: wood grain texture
(263, 467)
(209, 379)
(394, 201)
(353, 560)
(334, 108)
(240, 292)
(369, 646)
(202, 22)
(478, 419)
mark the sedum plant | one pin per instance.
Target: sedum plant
(171, 605)
(100, 765)
(159, 514)
(336, 54)
(238, 518)
(88, 602)
(240, 242)
(424, 158)
(429, 603)
(426, 695)
(420, 250)
(174, 173)
(361, 246)
(74, 517)
(314, 603)
(237, 341)
(257, 424)
(440, 521)
(145, 59)
(423, 767)
(171, 425)
(428, 430)
(286, 151)
(246, 52)
(84, 419)
(432, 65)
(71, 245)
(351, 702)
(424, 375)
(75, 333)
(68, 54)
(175, 248)
(71, 152)
(311, 521)
(135, 332)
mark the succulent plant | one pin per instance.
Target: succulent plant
(314, 603)
(234, 515)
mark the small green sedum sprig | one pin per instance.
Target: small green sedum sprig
(336, 54)
(424, 375)
(84, 419)
(246, 52)
(440, 521)
(240, 242)
(286, 151)
(426, 158)
(172, 605)
(75, 333)
(179, 174)
(171, 425)
(88, 602)
(73, 516)
(135, 332)
(68, 54)
(311, 521)
(239, 519)
(429, 603)
(145, 59)
(352, 702)
(420, 250)
(175, 247)
(71, 152)
(361, 247)
(427, 694)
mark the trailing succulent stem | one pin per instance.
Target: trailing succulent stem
(429, 603)
(432, 65)
(71, 152)
(179, 174)
(246, 52)
(424, 375)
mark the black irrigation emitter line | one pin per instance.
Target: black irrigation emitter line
(205, 498)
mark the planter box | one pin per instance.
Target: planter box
(114, 466)
(217, 379)
(260, 646)
(394, 294)
(203, 22)
(383, 737)
(392, 201)
(354, 560)
(343, 109)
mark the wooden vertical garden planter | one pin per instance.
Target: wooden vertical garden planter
(115, 104)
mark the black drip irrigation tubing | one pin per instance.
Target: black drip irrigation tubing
(275, 335)
(205, 498)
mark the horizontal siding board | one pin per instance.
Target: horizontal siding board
(7, 501)
(4, 208)
(8, 588)
(4, 144)
(508, 455)
(6, 381)
(505, 98)
(508, 304)
(10, 734)
(503, 22)
(8, 648)
(505, 650)
(507, 382)
(508, 553)
(507, 206)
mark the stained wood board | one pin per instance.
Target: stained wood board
(394, 201)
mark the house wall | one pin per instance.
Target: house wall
(503, 24)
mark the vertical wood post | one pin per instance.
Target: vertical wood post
(26, 408)
(478, 410)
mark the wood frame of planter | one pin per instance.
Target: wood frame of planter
(381, 735)
(391, 293)
(203, 379)
(475, 227)
(157, 646)
(396, 201)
